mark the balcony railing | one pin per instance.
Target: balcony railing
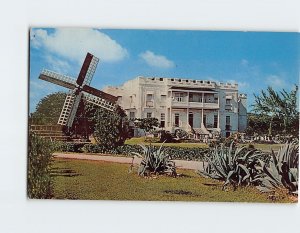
(149, 104)
(185, 104)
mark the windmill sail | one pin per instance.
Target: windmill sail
(74, 109)
(99, 94)
(99, 101)
(69, 109)
(59, 79)
(87, 70)
(66, 110)
(91, 71)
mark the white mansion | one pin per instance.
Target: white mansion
(196, 106)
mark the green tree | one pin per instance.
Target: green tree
(288, 107)
(111, 128)
(148, 124)
(48, 109)
(282, 105)
(259, 124)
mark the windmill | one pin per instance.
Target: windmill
(79, 89)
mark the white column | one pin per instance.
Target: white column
(187, 110)
(218, 118)
(171, 118)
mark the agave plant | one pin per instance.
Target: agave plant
(154, 161)
(232, 165)
(282, 170)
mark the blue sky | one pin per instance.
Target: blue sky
(254, 60)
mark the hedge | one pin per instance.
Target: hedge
(39, 182)
(127, 150)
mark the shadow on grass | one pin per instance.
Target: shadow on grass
(63, 171)
(212, 184)
(182, 193)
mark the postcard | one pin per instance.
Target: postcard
(163, 115)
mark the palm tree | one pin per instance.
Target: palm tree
(265, 105)
(273, 104)
(288, 106)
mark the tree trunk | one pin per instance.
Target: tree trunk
(270, 127)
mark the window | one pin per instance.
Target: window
(161, 79)
(149, 100)
(149, 97)
(215, 121)
(163, 98)
(179, 97)
(191, 119)
(176, 120)
(162, 120)
(204, 120)
(131, 115)
(228, 126)
(227, 120)
(228, 101)
(149, 114)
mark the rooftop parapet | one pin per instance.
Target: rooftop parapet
(186, 82)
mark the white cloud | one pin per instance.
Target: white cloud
(244, 62)
(58, 65)
(74, 43)
(275, 81)
(156, 60)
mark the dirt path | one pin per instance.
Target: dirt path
(191, 165)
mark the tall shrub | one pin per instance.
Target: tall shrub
(39, 183)
(111, 128)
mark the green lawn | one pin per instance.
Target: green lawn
(266, 147)
(80, 179)
(141, 140)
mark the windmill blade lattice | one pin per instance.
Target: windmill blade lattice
(59, 79)
(100, 94)
(66, 110)
(99, 101)
(80, 89)
(91, 71)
